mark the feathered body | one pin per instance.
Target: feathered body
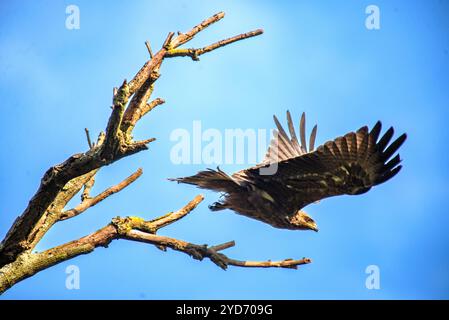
(292, 176)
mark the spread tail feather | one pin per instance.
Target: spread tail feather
(215, 180)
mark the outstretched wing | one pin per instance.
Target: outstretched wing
(282, 147)
(351, 164)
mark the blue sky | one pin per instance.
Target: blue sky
(315, 56)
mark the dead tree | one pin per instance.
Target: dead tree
(131, 101)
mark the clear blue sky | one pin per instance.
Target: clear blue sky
(315, 56)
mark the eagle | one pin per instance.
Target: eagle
(292, 175)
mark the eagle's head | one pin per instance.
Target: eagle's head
(302, 221)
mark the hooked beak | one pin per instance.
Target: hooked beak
(314, 228)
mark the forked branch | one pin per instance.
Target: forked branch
(134, 229)
(131, 102)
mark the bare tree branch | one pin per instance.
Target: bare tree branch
(90, 202)
(138, 103)
(143, 110)
(286, 263)
(195, 53)
(63, 181)
(135, 229)
(199, 252)
(186, 37)
(171, 217)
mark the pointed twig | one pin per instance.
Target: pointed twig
(167, 42)
(223, 246)
(89, 142)
(138, 146)
(147, 44)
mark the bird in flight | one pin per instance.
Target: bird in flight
(292, 175)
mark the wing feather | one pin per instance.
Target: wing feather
(291, 129)
(302, 130)
(383, 142)
(393, 147)
(285, 141)
(350, 164)
(283, 147)
(312, 138)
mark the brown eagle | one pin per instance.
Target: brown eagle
(291, 176)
